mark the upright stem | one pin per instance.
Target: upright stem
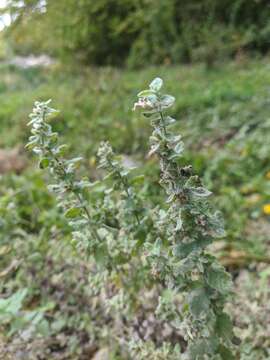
(126, 189)
(78, 196)
(163, 122)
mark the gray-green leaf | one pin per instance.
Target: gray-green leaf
(167, 101)
(156, 84)
(224, 326)
(219, 279)
(200, 191)
(198, 302)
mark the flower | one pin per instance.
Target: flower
(266, 209)
(143, 103)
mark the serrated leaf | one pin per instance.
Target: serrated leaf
(73, 213)
(200, 191)
(167, 101)
(217, 223)
(169, 120)
(224, 326)
(198, 302)
(219, 279)
(101, 255)
(156, 84)
(184, 249)
(197, 350)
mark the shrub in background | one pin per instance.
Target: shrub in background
(142, 32)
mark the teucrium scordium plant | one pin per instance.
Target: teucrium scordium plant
(136, 247)
(179, 255)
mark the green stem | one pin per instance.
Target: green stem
(78, 196)
(163, 122)
(126, 188)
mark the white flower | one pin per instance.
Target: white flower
(143, 103)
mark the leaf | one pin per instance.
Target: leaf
(101, 255)
(156, 84)
(137, 180)
(198, 302)
(169, 120)
(153, 99)
(225, 353)
(62, 149)
(167, 101)
(31, 145)
(14, 303)
(16, 324)
(179, 224)
(154, 149)
(156, 249)
(219, 279)
(146, 93)
(224, 326)
(184, 249)
(197, 350)
(179, 147)
(217, 225)
(44, 163)
(43, 328)
(73, 213)
(200, 191)
(59, 324)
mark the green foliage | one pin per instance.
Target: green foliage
(34, 255)
(121, 231)
(225, 124)
(188, 220)
(141, 32)
(226, 109)
(11, 314)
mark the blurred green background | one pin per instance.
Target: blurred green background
(140, 33)
(92, 57)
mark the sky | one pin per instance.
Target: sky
(4, 19)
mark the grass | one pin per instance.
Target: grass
(223, 115)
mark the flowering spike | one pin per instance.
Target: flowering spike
(179, 257)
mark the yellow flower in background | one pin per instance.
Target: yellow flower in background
(267, 175)
(266, 209)
(92, 161)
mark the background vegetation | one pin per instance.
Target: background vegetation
(142, 32)
(223, 114)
